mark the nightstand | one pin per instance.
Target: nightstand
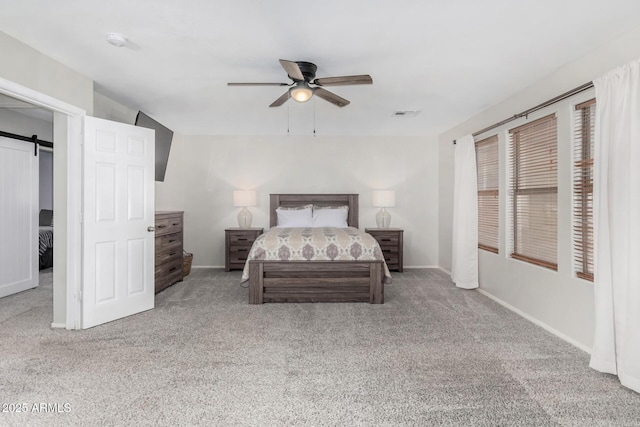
(390, 241)
(238, 242)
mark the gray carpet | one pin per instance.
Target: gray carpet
(432, 355)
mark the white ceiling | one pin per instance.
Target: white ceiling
(449, 59)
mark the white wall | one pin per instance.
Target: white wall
(203, 171)
(556, 300)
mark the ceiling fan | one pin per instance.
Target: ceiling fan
(303, 75)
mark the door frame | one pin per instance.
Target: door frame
(67, 196)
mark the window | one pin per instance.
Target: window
(583, 189)
(488, 193)
(533, 192)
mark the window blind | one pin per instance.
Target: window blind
(533, 192)
(585, 117)
(488, 193)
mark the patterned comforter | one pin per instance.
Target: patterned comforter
(46, 239)
(315, 244)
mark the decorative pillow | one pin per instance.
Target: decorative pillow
(297, 216)
(330, 216)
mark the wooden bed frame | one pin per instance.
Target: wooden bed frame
(316, 281)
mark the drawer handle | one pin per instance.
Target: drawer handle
(173, 269)
(172, 240)
(242, 250)
(172, 253)
(386, 240)
(175, 223)
(162, 226)
(241, 239)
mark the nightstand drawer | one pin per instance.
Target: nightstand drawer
(238, 255)
(390, 241)
(238, 245)
(387, 240)
(242, 239)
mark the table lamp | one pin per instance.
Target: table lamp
(243, 199)
(384, 199)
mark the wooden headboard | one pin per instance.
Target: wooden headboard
(286, 200)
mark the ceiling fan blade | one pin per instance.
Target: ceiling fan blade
(257, 84)
(331, 97)
(278, 102)
(292, 69)
(362, 79)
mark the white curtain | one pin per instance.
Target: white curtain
(616, 347)
(464, 265)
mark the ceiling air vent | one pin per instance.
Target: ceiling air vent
(406, 113)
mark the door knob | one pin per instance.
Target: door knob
(151, 229)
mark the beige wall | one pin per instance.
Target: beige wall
(556, 300)
(26, 66)
(29, 68)
(203, 171)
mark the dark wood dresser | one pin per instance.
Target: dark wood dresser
(168, 249)
(238, 242)
(390, 241)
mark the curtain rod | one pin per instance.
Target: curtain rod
(525, 113)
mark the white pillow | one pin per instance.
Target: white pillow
(295, 217)
(330, 216)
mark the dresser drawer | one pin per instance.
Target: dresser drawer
(169, 269)
(169, 241)
(168, 255)
(168, 225)
(168, 249)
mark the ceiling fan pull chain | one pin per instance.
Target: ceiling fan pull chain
(314, 117)
(288, 110)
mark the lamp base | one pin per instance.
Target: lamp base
(383, 218)
(244, 218)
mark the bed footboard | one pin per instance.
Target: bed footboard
(316, 281)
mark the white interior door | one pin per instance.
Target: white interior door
(18, 216)
(118, 209)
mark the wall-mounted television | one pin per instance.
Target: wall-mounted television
(163, 142)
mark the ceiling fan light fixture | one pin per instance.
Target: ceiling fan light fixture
(301, 92)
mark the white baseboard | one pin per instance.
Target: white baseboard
(207, 266)
(537, 322)
(58, 325)
(408, 267)
(445, 270)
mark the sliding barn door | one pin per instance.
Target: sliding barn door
(18, 216)
(118, 203)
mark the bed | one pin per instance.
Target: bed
(317, 280)
(45, 247)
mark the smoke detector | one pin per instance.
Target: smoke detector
(117, 40)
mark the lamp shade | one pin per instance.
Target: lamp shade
(244, 198)
(384, 198)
